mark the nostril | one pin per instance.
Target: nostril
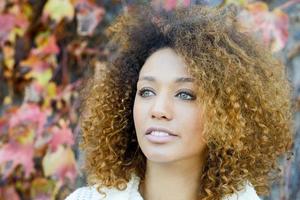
(161, 115)
(161, 110)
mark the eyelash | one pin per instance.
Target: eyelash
(192, 97)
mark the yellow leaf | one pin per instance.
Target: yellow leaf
(42, 186)
(236, 2)
(51, 90)
(9, 53)
(58, 9)
(7, 100)
(27, 137)
(43, 77)
(27, 10)
(53, 162)
(59, 105)
(257, 7)
(50, 94)
(9, 63)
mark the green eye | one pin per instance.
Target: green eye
(186, 96)
(144, 92)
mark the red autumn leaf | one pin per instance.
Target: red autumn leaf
(34, 61)
(8, 22)
(8, 193)
(67, 172)
(42, 189)
(272, 26)
(61, 135)
(43, 56)
(67, 92)
(170, 4)
(29, 114)
(2, 6)
(186, 3)
(77, 48)
(13, 154)
(41, 71)
(54, 165)
(46, 45)
(22, 134)
(3, 125)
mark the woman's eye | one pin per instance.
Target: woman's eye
(144, 92)
(186, 96)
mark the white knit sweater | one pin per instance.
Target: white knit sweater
(132, 193)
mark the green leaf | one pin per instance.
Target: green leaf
(55, 166)
(236, 2)
(59, 9)
(42, 77)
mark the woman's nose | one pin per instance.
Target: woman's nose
(161, 108)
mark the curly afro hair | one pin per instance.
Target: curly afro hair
(244, 89)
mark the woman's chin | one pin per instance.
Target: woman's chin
(156, 155)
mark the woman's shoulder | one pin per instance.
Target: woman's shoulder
(247, 193)
(91, 192)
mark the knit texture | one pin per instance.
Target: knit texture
(132, 193)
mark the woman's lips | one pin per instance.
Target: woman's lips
(160, 129)
(160, 137)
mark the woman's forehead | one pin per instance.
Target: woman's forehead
(164, 62)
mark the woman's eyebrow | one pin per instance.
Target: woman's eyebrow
(177, 80)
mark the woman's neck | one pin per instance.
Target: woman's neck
(172, 181)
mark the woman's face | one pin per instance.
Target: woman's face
(165, 99)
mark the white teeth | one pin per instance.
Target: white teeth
(158, 133)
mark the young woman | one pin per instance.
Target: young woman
(188, 108)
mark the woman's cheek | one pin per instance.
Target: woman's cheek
(139, 115)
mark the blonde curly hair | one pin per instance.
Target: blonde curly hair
(244, 89)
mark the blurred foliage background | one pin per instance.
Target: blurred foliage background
(47, 47)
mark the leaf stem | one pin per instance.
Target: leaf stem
(288, 4)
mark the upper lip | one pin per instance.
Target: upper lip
(149, 130)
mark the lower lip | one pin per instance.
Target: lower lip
(160, 139)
